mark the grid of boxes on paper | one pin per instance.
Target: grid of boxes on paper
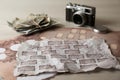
(63, 56)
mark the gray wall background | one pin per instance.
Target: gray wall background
(108, 12)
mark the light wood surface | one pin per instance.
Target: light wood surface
(107, 14)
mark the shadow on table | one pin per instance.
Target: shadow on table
(97, 70)
(104, 22)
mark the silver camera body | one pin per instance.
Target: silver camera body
(80, 14)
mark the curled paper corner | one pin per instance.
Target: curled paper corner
(109, 63)
(71, 67)
(43, 76)
(118, 66)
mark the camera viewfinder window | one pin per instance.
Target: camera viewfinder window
(87, 10)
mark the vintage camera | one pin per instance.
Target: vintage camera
(80, 14)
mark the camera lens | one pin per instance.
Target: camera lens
(79, 18)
